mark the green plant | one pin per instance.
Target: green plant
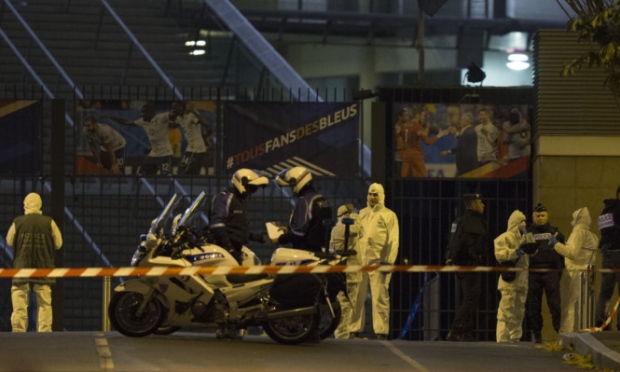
(596, 22)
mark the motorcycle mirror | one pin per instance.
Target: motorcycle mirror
(163, 216)
(190, 211)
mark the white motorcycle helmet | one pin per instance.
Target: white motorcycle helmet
(248, 181)
(295, 178)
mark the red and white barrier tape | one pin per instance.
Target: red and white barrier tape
(259, 269)
(604, 325)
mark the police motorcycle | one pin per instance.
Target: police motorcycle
(285, 306)
(330, 309)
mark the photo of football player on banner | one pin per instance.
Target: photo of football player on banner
(461, 140)
(144, 137)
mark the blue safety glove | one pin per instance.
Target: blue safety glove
(552, 241)
(520, 252)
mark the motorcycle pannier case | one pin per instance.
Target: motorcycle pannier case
(296, 290)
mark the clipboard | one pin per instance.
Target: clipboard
(273, 230)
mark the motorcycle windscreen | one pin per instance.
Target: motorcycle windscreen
(296, 290)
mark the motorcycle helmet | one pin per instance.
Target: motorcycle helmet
(295, 178)
(248, 181)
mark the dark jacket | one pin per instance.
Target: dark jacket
(609, 224)
(546, 257)
(306, 228)
(228, 220)
(468, 239)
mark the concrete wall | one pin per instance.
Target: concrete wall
(565, 183)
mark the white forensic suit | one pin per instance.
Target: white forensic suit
(354, 279)
(378, 245)
(579, 251)
(514, 293)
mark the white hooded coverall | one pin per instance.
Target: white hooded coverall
(579, 251)
(512, 304)
(354, 279)
(378, 245)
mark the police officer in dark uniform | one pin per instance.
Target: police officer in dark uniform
(228, 219)
(609, 224)
(548, 282)
(307, 224)
(468, 242)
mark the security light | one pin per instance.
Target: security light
(475, 74)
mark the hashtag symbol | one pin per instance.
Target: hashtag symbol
(230, 162)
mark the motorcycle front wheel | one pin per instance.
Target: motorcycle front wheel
(166, 330)
(292, 330)
(329, 323)
(123, 310)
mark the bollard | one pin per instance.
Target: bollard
(105, 323)
(586, 301)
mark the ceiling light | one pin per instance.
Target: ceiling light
(517, 65)
(197, 52)
(191, 43)
(518, 57)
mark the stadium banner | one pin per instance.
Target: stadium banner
(144, 137)
(20, 151)
(461, 140)
(324, 137)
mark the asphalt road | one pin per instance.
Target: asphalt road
(184, 351)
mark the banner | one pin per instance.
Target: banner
(19, 146)
(322, 137)
(461, 140)
(144, 137)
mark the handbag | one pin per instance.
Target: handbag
(508, 276)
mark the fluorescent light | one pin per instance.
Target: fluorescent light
(191, 43)
(517, 65)
(518, 57)
(197, 52)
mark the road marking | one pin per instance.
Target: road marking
(103, 352)
(412, 362)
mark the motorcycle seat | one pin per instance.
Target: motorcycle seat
(240, 279)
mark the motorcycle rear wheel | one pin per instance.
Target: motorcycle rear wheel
(122, 310)
(329, 323)
(292, 330)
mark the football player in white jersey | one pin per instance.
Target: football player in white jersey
(158, 160)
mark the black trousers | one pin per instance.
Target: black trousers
(549, 283)
(611, 260)
(470, 288)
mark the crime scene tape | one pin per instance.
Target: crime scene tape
(604, 325)
(250, 270)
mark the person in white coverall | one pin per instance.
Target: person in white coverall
(353, 278)
(579, 251)
(378, 245)
(513, 292)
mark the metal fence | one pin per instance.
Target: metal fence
(104, 216)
